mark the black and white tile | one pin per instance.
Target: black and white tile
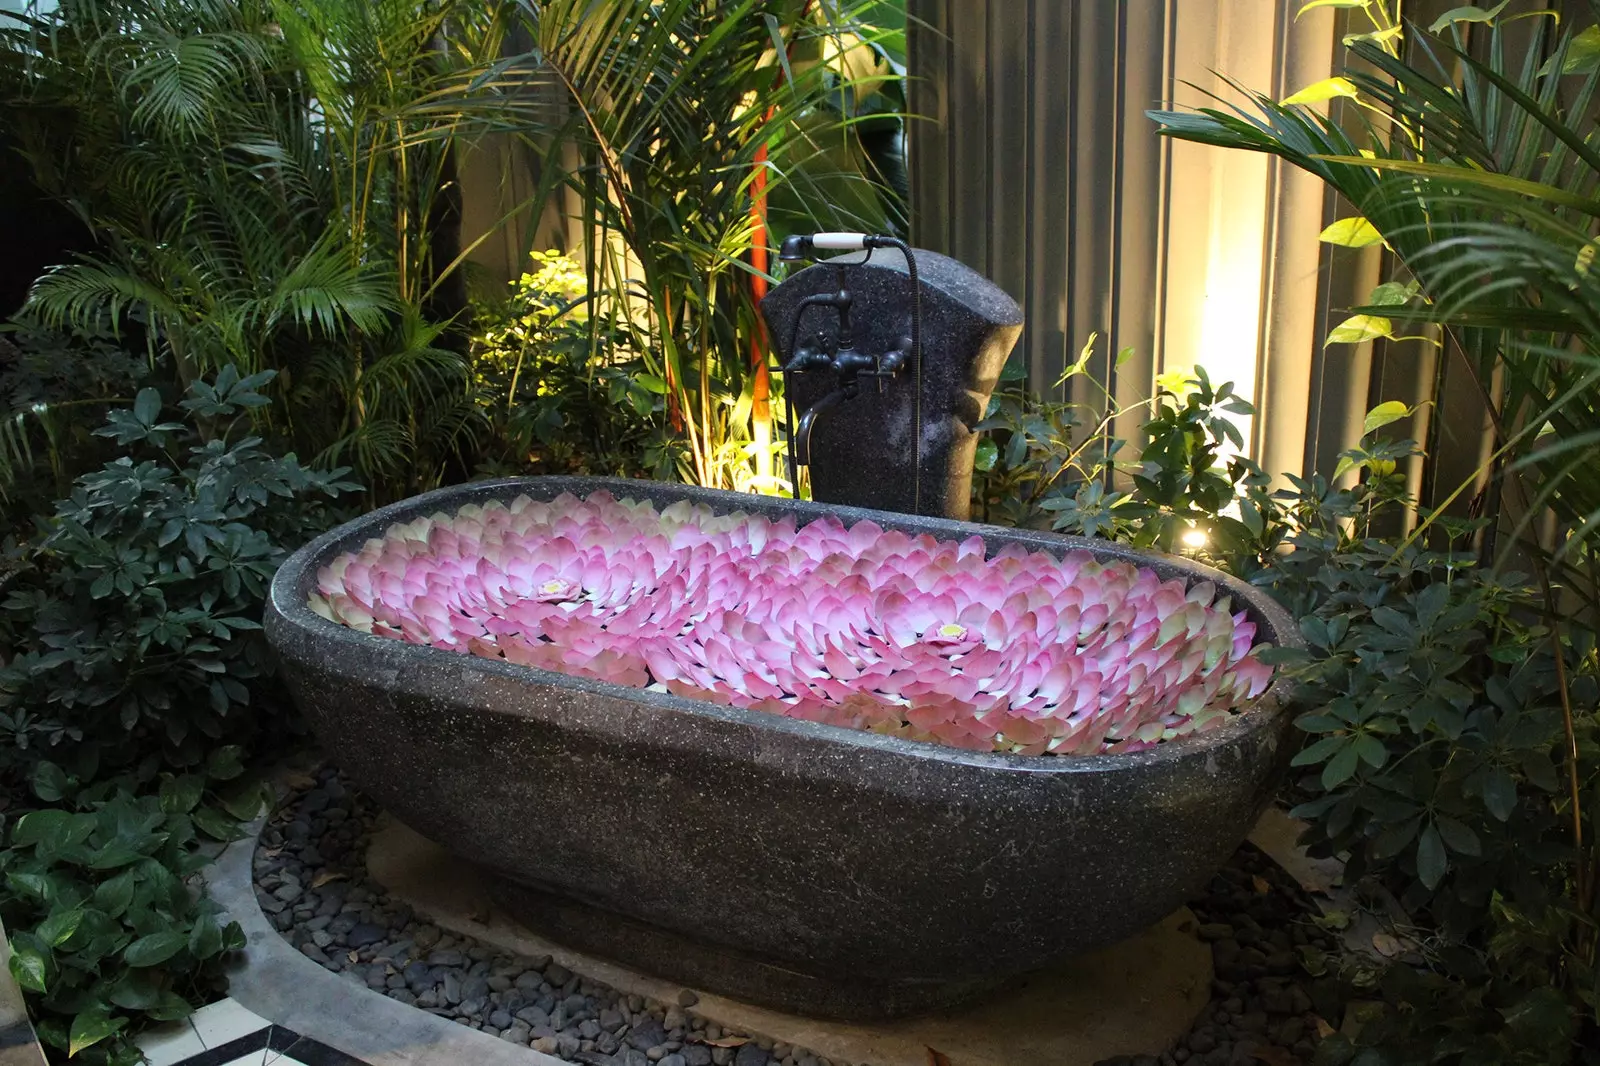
(226, 1034)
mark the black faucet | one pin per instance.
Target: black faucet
(840, 354)
(900, 412)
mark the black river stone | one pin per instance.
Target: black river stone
(850, 874)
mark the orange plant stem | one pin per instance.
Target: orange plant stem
(760, 261)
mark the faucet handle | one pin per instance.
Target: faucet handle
(811, 356)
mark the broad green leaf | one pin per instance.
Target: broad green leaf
(147, 406)
(213, 823)
(1583, 54)
(58, 928)
(43, 887)
(1378, 37)
(1322, 749)
(1371, 751)
(114, 895)
(1385, 413)
(1460, 838)
(1542, 1017)
(1540, 771)
(170, 1007)
(50, 782)
(30, 967)
(1352, 232)
(1467, 14)
(90, 1027)
(223, 764)
(987, 453)
(1393, 840)
(1431, 859)
(1586, 256)
(154, 949)
(136, 990)
(51, 829)
(246, 802)
(181, 794)
(1391, 294)
(205, 939)
(1357, 329)
(1499, 793)
(1321, 91)
(1340, 767)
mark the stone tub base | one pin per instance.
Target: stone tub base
(1137, 997)
(706, 968)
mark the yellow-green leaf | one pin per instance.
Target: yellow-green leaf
(1583, 54)
(1360, 328)
(1378, 37)
(1586, 256)
(1467, 14)
(1314, 4)
(1391, 294)
(1321, 91)
(1353, 232)
(89, 1028)
(1383, 414)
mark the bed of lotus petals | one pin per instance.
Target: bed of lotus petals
(857, 627)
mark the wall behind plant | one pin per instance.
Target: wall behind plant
(1038, 167)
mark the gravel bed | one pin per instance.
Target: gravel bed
(311, 880)
(1265, 1005)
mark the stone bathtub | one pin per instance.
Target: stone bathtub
(813, 868)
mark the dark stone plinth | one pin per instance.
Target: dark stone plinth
(878, 864)
(862, 452)
(696, 963)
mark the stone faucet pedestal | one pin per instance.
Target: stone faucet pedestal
(862, 449)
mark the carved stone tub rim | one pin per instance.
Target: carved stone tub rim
(292, 584)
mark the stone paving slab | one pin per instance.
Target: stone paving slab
(1136, 997)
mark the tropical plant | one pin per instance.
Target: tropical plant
(130, 628)
(1480, 173)
(1188, 489)
(54, 389)
(555, 402)
(1436, 737)
(1476, 164)
(107, 930)
(270, 186)
(683, 118)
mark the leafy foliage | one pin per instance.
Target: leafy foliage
(1479, 171)
(555, 401)
(677, 114)
(1436, 757)
(105, 927)
(132, 628)
(269, 187)
(53, 389)
(1040, 466)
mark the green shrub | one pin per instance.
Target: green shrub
(1436, 748)
(54, 389)
(1039, 466)
(107, 928)
(131, 629)
(1439, 767)
(558, 400)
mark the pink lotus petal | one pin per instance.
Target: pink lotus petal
(853, 627)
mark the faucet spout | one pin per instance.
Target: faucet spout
(808, 422)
